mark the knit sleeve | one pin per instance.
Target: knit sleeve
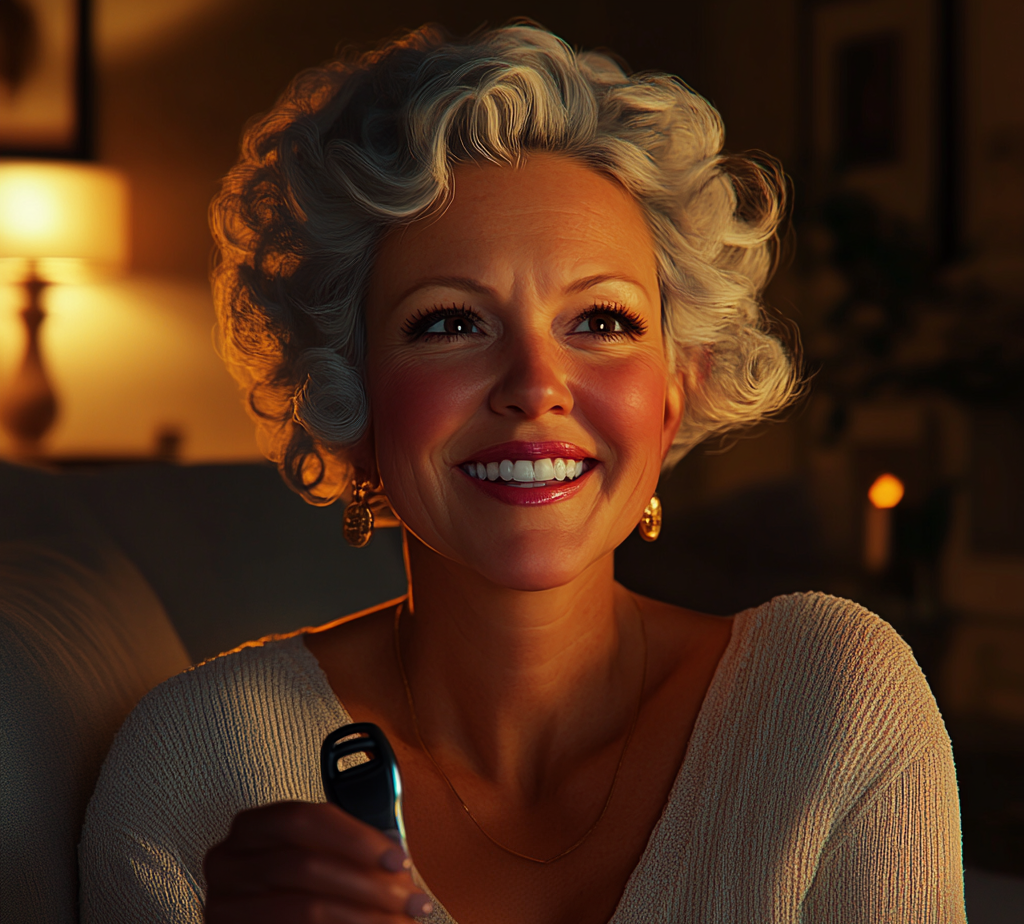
(240, 731)
(130, 859)
(897, 857)
(130, 879)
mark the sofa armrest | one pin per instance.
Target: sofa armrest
(82, 639)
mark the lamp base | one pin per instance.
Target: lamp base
(30, 406)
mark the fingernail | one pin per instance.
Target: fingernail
(394, 860)
(418, 906)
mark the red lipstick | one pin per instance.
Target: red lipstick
(509, 493)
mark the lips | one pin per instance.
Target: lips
(530, 451)
(529, 495)
(517, 485)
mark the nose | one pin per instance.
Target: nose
(534, 380)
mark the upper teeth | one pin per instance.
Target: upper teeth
(526, 471)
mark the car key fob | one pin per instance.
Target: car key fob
(372, 790)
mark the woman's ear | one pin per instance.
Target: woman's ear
(675, 407)
(362, 456)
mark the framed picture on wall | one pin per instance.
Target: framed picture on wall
(872, 74)
(868, 73)
(45, 71)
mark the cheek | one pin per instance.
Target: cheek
(416, 406)
(626, 404)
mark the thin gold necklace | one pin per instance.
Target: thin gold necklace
(455, 792)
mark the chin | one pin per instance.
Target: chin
(529, 580)
(530, 568)
(523, 560)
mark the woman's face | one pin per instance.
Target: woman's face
(522, 324)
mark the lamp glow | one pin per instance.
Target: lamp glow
(59, 222)
(30, 209)
(64, 216)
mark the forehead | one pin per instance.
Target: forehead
(549, 218)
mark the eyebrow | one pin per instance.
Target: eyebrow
(588, 282)
(468, 284)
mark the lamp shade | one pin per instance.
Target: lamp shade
(64, 215)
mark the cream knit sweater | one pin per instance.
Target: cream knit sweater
(818, 785)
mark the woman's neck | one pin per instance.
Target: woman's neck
(512, 682)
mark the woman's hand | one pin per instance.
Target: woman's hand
(296, 862)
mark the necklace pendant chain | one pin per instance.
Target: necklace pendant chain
(455, 792)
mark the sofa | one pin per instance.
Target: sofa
(113, 579)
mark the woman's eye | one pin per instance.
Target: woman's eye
(611, 322)
(457, 324)
(442, 324)
(600, 323)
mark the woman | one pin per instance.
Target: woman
(497, 288)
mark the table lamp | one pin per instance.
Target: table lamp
(60, 222)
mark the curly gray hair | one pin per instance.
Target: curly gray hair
(363, 144)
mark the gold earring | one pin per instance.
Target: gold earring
(650, 522)
(358, 527)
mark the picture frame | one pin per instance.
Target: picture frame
(46, 79)
(872, 105)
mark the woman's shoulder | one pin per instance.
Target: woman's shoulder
(832, 664)
(238, 730)
(258, 698)
(814, 629)
(272, 665)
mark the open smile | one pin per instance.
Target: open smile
(529, 473)
(526, 473)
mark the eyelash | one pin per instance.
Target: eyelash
(634, 325)
(416, 327)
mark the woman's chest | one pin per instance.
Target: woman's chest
(464, 837)
(465, 841)
(472, 866)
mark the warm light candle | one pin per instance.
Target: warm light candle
(885, 493)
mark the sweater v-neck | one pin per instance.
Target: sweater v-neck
(679, 805)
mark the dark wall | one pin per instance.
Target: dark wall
(172, 116)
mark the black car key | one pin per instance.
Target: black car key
(371, 791)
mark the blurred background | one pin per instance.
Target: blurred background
(897, 481)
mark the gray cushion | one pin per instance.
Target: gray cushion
(82, 638)
(35, 505)
(233, 554)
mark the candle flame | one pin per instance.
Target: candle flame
(886, 491)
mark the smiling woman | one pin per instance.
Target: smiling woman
(494, 288)
(529, 308)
